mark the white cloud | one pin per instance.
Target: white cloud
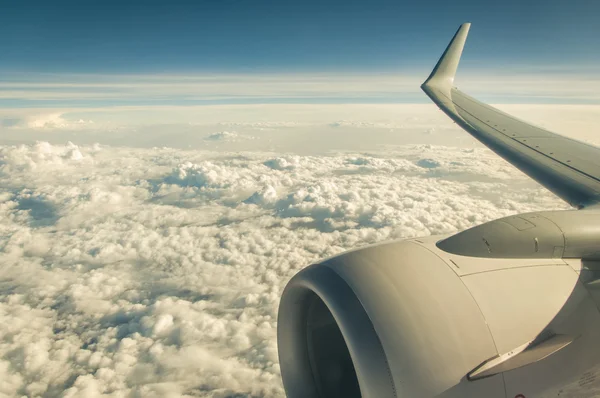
(56, 121)
(227, 136)
(157, 272)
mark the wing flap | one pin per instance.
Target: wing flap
(567, 167)
(521, 356)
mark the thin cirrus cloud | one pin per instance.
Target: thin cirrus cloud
(94, 90)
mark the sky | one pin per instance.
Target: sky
(286, 36)
(109, 53)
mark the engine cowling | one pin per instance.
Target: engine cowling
(406, 319)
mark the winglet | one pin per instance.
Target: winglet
(442, 76)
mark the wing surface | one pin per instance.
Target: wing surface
(567, 167)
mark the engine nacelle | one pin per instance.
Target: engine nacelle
(543, 234)
(406, 319)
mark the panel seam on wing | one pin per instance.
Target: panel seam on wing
(526, 146)
(467, 97)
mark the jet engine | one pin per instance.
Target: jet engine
(413, 318)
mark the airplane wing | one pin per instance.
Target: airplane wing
(567, 167)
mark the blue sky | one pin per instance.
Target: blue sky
(94, 41)
(234, 35)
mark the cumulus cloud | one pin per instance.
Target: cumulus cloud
(227, 136)
(157, 272)
(56, 121)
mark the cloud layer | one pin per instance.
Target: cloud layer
(284, 128)
(157, 272)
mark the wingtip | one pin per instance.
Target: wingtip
(445, 70)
